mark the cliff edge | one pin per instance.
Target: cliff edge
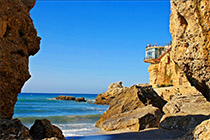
(190, 30)
(19, 40)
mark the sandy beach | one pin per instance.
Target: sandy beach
(152, 133)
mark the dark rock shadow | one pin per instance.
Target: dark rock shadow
(200, 86)
(148, 95)
(183, 123)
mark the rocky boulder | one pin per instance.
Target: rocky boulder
(185, 112)
(114, 90)
(192, 104)
(169, 92)
(190, 30)
(182, 122)
(69, 98)
(44, 129)
(115, 85)
(53, 138)
(19, 40)
(81, 99)
(201, 132)
(135, 120)
(13, 129)
(130, 99)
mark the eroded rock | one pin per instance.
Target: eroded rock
(169, 92)
(70, 98)
(190, 30)
(19, 40)
(44, 129)
(185, 112)
(13, 129)
(53, 138)
(192, 104)
(114, 90)
(182, 122)
(130, 99)
(62, 97)
(135, 120)
(81, 99)
(201, 132)
(166, 73)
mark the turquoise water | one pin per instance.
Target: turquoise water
(74, 118)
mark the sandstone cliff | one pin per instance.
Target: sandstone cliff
(18, 39)
(190, 30)
(166, 73)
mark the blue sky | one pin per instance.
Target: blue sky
(86, 45)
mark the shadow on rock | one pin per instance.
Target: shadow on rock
(183, 123)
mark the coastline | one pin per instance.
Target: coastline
(75, 119)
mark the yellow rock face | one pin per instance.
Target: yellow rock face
(166, 73)
(190, 30)
(202, 131)
(169, 92)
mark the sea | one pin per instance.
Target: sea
(75, 119)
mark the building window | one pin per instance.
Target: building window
(150, 53)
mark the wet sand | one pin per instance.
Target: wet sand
(153, 133)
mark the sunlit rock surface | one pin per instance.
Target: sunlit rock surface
(126, 102)
(166, 73)
(190, 30)
(113, 91)
(134, 120)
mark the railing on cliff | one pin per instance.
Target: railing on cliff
(154, 53)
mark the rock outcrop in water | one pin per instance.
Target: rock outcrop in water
(70, 98)
(128, 101)
(81, 99)
(190, 30)
(19, 40)
(62, 97)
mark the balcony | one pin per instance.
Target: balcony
(155, 53)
